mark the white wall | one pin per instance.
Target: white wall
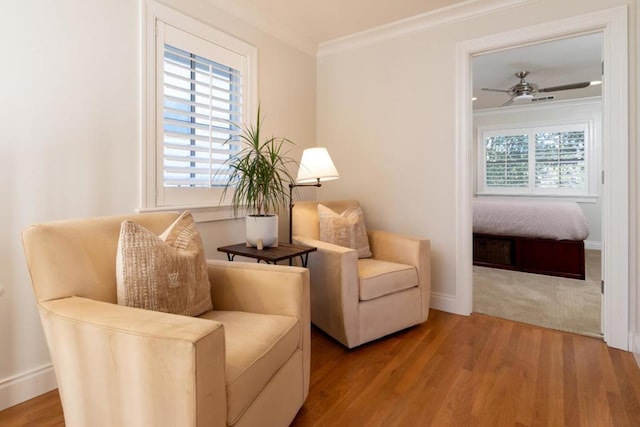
(389, 103)
(70, 139)
(579, 110)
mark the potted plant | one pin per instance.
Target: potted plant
(259, 176)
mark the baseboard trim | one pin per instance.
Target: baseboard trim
(593, 245)
(444, 302)
(17, 389)
(634, 344)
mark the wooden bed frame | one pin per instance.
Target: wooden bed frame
(564, 258)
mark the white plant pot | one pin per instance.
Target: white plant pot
(262, 231)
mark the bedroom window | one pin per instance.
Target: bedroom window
(540, 160)
(200, 92)
(507, 160)
(560, 159)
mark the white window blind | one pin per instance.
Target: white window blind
(541, 160)
(560, 159)
(204, 82)
(507, 161)
(202, 107)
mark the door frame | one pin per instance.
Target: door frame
(615, 117)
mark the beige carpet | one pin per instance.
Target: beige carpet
(552, 302)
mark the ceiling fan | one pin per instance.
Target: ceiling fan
(525, 91)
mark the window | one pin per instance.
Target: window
(201, 108)
(507, 160)
(541, 160)
(201, 90)
(560, 159)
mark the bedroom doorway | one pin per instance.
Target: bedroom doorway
(548, 96)
(612, 23)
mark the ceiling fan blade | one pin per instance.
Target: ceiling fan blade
(509, 102)
(565, 87)
(494, 90)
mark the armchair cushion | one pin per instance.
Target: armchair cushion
(378, 278)
(257, 346)
(165, 273)
(344, 229)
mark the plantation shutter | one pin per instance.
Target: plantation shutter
(560, 159)
(506, 161)
(541, 160)
(201, 103)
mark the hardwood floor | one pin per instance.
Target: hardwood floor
(451, 371)
(44, 410)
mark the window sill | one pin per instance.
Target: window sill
(585, 198)
(200, 213)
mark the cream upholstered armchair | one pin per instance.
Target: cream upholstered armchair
(356, 300)
(244, 363)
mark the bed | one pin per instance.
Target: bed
(534, 236)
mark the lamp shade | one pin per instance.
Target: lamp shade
(316, 165)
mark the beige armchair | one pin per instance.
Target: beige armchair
(246, 363)
(358, 300)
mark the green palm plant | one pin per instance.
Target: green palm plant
(259, 172)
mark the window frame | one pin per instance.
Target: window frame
(154, 195)
(588, 193)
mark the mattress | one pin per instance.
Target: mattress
(545, 219)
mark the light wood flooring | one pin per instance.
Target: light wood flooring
(451, 371)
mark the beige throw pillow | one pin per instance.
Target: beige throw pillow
(164, 273)
(344, 229)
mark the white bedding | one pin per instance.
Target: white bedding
(545, 219)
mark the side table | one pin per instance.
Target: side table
(282, 252)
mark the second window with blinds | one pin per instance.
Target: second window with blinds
(541, 160)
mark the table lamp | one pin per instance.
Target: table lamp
(315, 166)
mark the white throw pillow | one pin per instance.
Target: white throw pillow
(344, 229)
(165, 273)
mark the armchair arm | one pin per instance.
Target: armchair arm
(334, 289)
(400, 248)
(107, 356)
(266, 289)
(409, 250)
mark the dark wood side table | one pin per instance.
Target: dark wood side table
(282, 252)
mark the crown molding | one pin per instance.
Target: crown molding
(266, 24)
(414, 24)
(403, 27)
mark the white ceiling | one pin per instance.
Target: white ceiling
(319, 21)
(556, 63)
(324, 20)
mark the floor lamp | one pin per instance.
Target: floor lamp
(315, 166)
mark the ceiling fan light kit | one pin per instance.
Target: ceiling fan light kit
(525, 97)
(524, 92)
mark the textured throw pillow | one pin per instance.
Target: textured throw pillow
(344, 229)
(164, 273)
